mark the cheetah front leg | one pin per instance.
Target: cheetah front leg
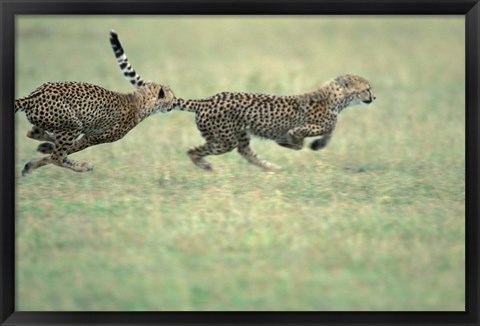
(197, 154)
(213, 146)
(312, 131)
(246, 151)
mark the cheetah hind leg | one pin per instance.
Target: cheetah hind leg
(63, 146)
(79, 144)
(35, 164)
(196, 154)
(40, 134)
(246, 151)
(77, 166)
(63, 142)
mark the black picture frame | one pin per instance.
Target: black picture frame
(10, 8)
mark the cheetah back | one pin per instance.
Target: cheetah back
(71, 105)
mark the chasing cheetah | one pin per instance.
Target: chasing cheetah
(72, 116)
(227, 120)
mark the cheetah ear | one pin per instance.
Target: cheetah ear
(346, 84)
(161, 94)
(343, 81)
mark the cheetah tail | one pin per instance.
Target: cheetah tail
(21, 104)
(128, 72)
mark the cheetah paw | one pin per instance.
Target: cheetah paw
(45, 148)
(86, 166)
(26, 169)
(318, 144)
(206, 166)
(271, 167)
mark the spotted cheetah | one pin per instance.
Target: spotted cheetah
(227, 120)
(72, 116)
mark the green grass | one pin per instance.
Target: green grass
(375, 221)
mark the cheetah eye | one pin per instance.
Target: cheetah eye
(161, 94)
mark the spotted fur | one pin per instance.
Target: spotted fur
(227, 120)
(71, 116)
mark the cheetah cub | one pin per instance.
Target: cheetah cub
(71, 116)
(227, 120)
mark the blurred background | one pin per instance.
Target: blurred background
(375, 221)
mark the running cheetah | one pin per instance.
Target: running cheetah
(227, 120)
(72, 116)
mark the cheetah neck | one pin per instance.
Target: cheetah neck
(138, 104)
(330, 96)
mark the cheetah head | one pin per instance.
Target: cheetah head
(357, 89)
(158, 96)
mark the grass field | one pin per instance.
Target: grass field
(375, 221)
